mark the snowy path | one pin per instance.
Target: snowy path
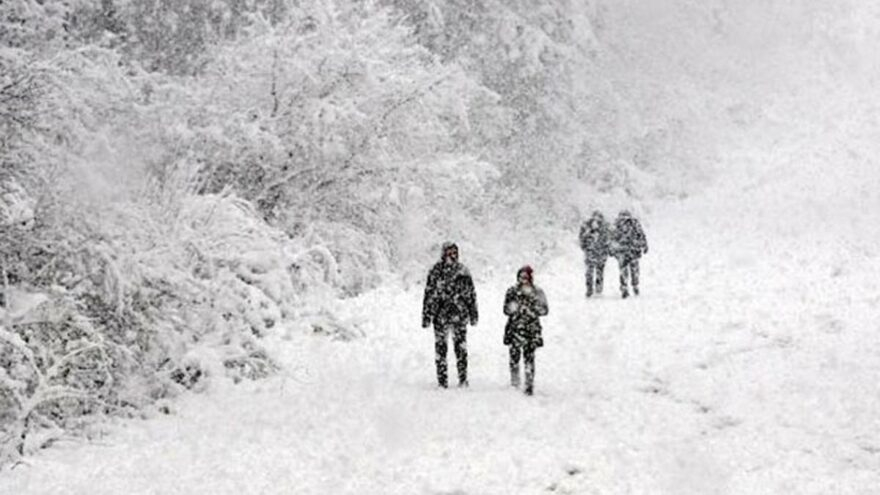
(751, 364)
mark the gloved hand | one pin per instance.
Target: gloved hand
(426, 322)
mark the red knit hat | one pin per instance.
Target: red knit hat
(528, 271)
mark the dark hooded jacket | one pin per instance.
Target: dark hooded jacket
(523, 305)
(628, 238)
(450, 297)
(595, 239)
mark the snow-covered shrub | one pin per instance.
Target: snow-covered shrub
(114, 322)
(55, 369)
(104, 308)
(260, 276)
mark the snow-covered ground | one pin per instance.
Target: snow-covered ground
(750, 365)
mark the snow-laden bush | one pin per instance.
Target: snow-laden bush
(106, 323)
(140, 295)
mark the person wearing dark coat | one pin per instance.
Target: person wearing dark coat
(524, 303)
(450, 303)
(628, 245)
(594, 241)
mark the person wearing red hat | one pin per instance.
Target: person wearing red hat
(524, 303)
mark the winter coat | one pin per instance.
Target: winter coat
(595, 239)
(450, 297)
(628, 238)
(523, 305)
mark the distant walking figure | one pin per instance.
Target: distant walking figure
(628, 244)
(594, 241)
(523, 304)
(450, 303)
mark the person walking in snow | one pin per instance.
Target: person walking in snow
(450, 303)
(628, 244)
(594, 239)
(524, 303)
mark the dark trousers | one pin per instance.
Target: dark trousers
(528, 356)
(595, 276)
(629, 271)
(441, 345)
